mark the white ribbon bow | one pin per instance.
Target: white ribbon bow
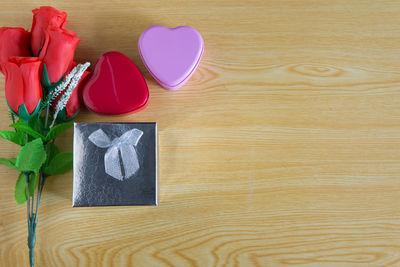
(124, 145)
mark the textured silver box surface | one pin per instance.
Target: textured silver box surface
(115, 164)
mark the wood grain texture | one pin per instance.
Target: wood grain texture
(282, 149)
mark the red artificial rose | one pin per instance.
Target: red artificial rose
(14, 42)
(58, 52)
(43, 18)
(23, 90)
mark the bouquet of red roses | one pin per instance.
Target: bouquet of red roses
(43, 91)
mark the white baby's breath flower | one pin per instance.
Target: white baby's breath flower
(60, 88)
(71, 81)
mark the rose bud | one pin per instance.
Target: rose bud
(23, 90)
(14, 42)
(58, 52)
(43, 18)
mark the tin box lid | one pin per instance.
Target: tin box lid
(171, 55)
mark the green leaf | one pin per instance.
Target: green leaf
(58, 129)
(8, 162)
(31, 156)
(37, 124)
(20, 187)
(26, 129)
(15, 137)
(61, 163)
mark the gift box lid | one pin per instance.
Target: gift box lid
(115, 164)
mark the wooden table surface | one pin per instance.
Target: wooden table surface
(282, 149)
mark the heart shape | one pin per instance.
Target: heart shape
(116, 86)
(171, 55)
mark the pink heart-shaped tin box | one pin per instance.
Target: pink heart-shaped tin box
(171, 55)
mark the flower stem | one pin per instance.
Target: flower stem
(47, 117)
(32, 203)
(13, 117)
(28, 205)
(32, 241)
(31, 222)
(31, 217)
(31, 257)
(42, 179)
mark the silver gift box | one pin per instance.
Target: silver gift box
(115, 164)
